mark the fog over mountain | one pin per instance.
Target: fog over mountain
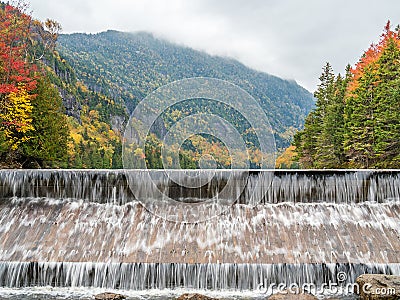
(291, 39)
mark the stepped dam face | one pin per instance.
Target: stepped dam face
(239, 230)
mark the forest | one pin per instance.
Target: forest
(32, 125)
(356, 121)
(129, 66)
(71, 96)
(48, 119)
(65, 100)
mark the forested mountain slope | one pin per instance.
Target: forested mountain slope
(128, 66)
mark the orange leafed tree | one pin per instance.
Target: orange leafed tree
(371, 56)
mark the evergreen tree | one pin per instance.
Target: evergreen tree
(305, 141)
(325, 149)
(372, 114)
(315, 144)
(360, 118)
(117, 156)
(330, 153)
(387, 93)
(47, 144)
(356, 122)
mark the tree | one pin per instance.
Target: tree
(43, 38)
(372, 109)
(47, 144)
(330, 153)
(360, 117)
(356, 122)
(324, 156)
(315, 144)
(33, 128)
(17, 80)
(387, 127)
(15, 70)
(16, 116)
(305, 141)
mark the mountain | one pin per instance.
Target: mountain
(93, 118)
(125, 67)
(66, 107)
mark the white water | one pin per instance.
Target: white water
(57, 293)
(86, 229)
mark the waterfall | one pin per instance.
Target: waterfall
(90, 228)
(110, 186)
(141, 276)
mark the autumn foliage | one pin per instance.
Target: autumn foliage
(371, 57)
(16, 70)
(23, 135)
(356, 122)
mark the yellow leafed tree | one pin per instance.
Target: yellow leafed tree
(16, 116)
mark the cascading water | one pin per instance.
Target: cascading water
(87, 228)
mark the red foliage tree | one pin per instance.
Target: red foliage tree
(15, 68)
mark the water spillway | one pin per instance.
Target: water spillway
(90, 228)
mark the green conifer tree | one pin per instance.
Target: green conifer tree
(387, 93)
(47, 145)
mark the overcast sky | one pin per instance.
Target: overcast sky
(289, 38)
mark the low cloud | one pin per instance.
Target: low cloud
(292, 39)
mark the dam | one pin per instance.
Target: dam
(96, 228)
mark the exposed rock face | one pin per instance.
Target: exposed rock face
(109, 296)
(194, 297)
(118, 123)
(379, 286)
(71, 104)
